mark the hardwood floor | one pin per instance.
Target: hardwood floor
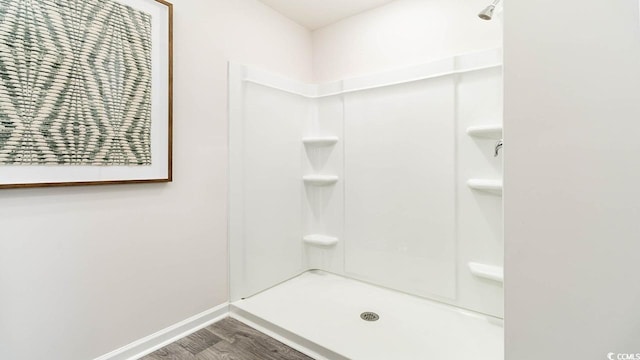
(228, 339)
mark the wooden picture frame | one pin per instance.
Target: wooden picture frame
(102, 114)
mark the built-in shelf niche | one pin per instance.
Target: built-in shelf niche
(488, 185)
(490, 272)
(486, 131)
(320, 180)
(320, 240)
(323, 141)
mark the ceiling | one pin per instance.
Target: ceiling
(314, 14)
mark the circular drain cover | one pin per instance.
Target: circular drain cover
(369, 316)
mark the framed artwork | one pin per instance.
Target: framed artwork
(85, 92)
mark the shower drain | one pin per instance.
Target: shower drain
(369, 316)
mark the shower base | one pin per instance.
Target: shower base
(320, 314)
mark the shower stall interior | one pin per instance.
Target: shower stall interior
(373, 198)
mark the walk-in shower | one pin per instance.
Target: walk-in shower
(370, 208)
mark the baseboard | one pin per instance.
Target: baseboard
(153, 342)
(284, 336)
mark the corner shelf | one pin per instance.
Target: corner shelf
(494, 186)
(486, 131)
(320, 140)
(320, 180)
(320, 240)
(495, 273)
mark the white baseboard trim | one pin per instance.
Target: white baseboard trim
(160, 339)
(284, 336)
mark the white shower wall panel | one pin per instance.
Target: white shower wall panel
(480, 234)
(323, 209)
(400, 187)
(271, 188)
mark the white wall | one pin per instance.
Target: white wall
(400, 184)
(479, 220)
(403, 33)
(572, 72)
(266, 186)
(323, 206)
(84, 271)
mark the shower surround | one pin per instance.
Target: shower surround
(369, 181)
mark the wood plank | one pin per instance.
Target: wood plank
(199, 341)
(228, 339)
(213, 354)
(243, 348)
(170, 352)
(229, 327)
(249, 344)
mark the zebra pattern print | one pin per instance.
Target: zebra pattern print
(75, 83)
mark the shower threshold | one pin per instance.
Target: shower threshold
(320, 314)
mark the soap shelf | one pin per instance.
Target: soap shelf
(320, 180)
(494, 186)
(320, 240)
(486, 131)
(320, 140)
(495, 273)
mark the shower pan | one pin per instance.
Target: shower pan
(372, 198)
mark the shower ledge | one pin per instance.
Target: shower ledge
(490, 272)
(486, 131)
(320, 240)
(320, 140)
(320, 180)
(493, 186)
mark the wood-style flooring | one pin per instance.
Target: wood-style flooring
(228, 339)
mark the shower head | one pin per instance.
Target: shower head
(487, 13)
